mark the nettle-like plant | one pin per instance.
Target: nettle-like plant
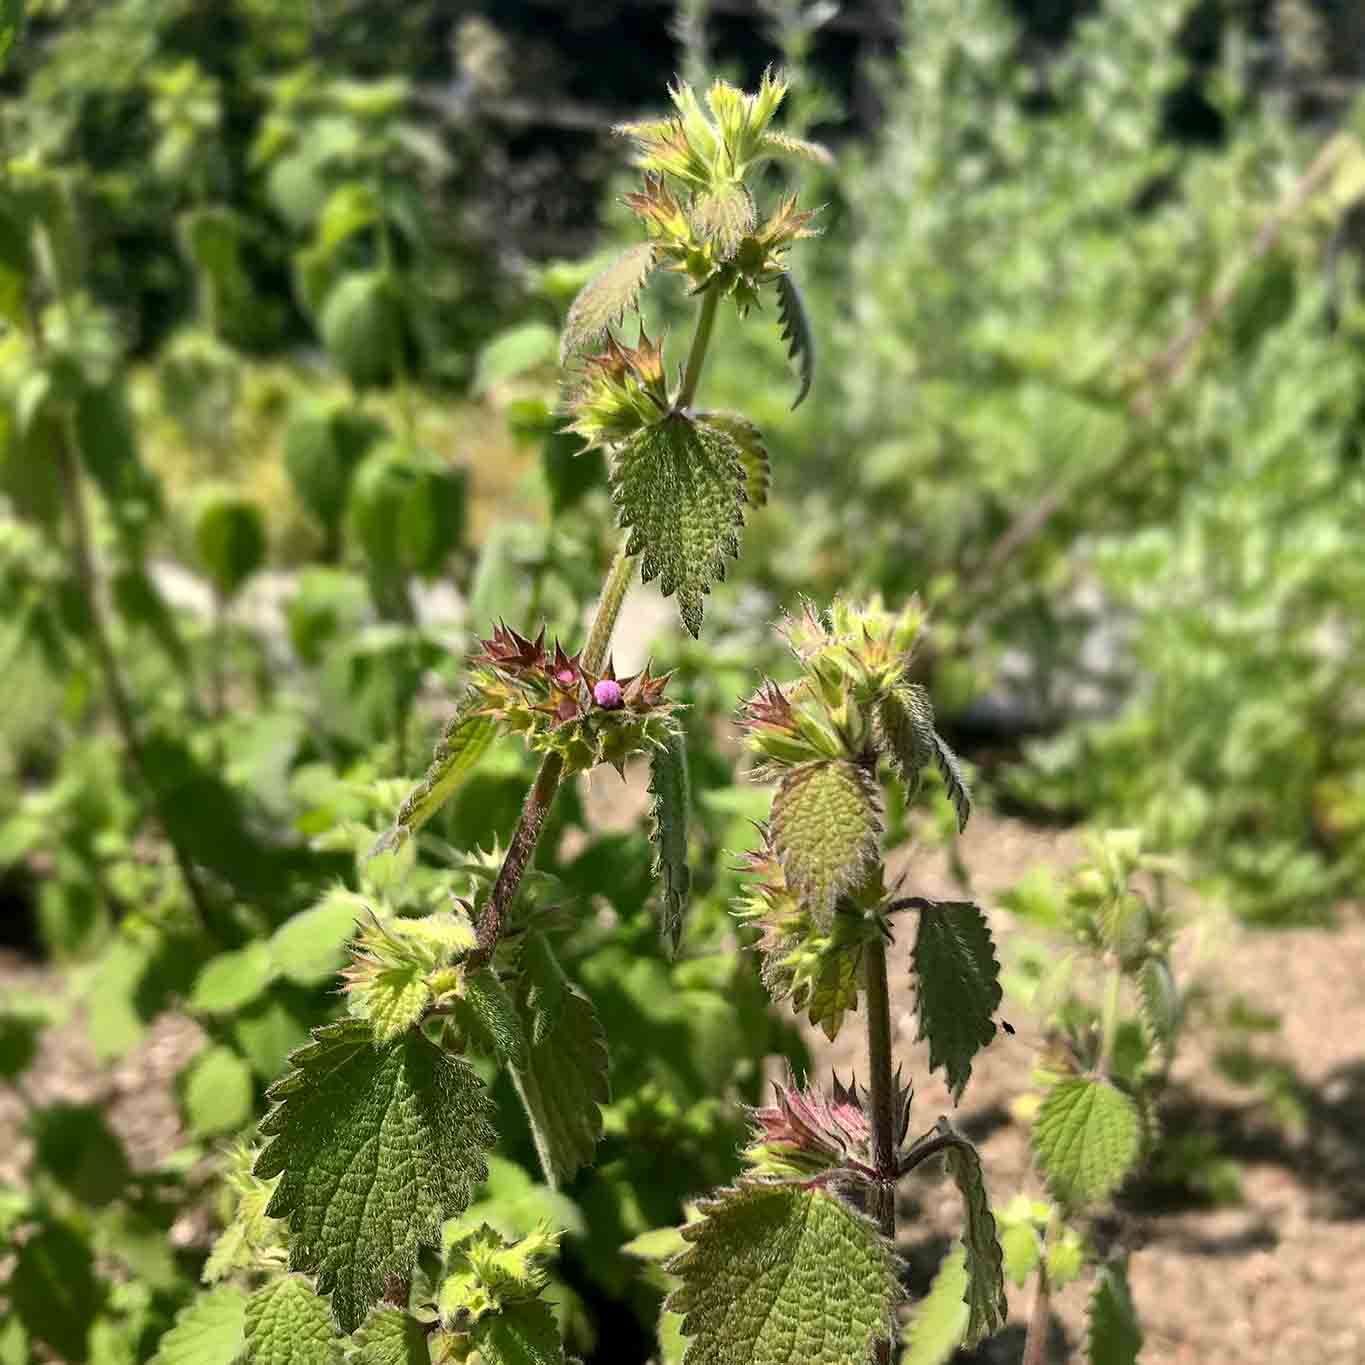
(351, 1217)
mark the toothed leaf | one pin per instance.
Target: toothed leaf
(724, 215)
(466, 737)
(288, 1324)
(389, 1337)
(670, 813)
(825, 823)
(753, 454)
(376, 1147)
(564, 1083)
(489, 1014)
(1087, 1137)
(957, 985)
(985, 1291)
(796, 332)
(954, 779)
(1159, 1003)
(678, 486)
(783, 144)
(1113, 1335)
(210, 1330)
(938, 1324)
(907, 722)
(605, 300)
(777, 1273)
(520, 1334)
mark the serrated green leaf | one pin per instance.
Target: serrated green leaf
(778, 1273)
(231, 980)
(724, 214)
(489, 1014)
(605, 299)
(678, 486)
(954, 780)
(462, 744)
(1022, 1251)
(774, 143)
(753, 454)
(288, 1324)
(796, 332)
(521, 1334)
(957, 982)
(825, 823)
(938, 1324)
(987, 1307)
(389, 1337)
(376, 1147)
(670, 812)
(1087, 1137)
(564, 1084)
(218, 1092)
(1159, 1003)
(210, 1330)
(906, 716)
(546, 988)
(392, 1000)
(1113, 1335)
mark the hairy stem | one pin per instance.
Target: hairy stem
(881, 1101)
(1040, 1315)
(701, 339)
(614, 589)
(1110, 1018)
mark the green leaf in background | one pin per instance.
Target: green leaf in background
(232, 980)
(210, 1330)
(605, 300)
(1022, 1250)
(218, 1092)
(308, 947)
(229, 538)
(670, 812)
(463, 742)
(825, 823)
(679, 488)
(376, 1147)
(1113, 1335)
(1087, 1137)
(520, 1334)
(406, 508)
(938, 1322)
(957, 986)
(513, 353)
(53, 1291)
(776, 1273)
(361, 322)
(985, 1294)
(18, 1044)
(324, 441)
(11, 22)
(389, 1337)
(74, 1146)
(288, 1324)
(796, 332)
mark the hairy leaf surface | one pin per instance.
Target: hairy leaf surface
(210, 1330)
(679, 488)
(670, 812)
(796, 332)
(288, 1324)
(1159, 1003)
(1113, 1335)
(987, 1307)
(376, 1147)
(958, 986)
(825, 823)
(605, 299)
(753, 454)
(954, 779)
(906, 716)
(777, 1273)
(724, 215)
(489, 1014)
(1087, 1137)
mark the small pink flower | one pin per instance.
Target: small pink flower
(607, 694)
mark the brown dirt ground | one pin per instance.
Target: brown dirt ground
(1276, 1279)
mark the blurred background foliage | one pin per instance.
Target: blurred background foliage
(281, 282)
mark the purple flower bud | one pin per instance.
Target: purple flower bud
(607, 694)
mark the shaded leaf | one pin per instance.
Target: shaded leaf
(288, 1324)
(489, 1015)
(796, 332)
(678, 486)
(1113, 1335)
(1087, 1137)
(389, 1337)
(669, 813)
(825, 823)
(520, 1334)
(985, 1290)
(777, 1273)
(53, 1291)
(376, 1147)
(957, 986)
(605, 299)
